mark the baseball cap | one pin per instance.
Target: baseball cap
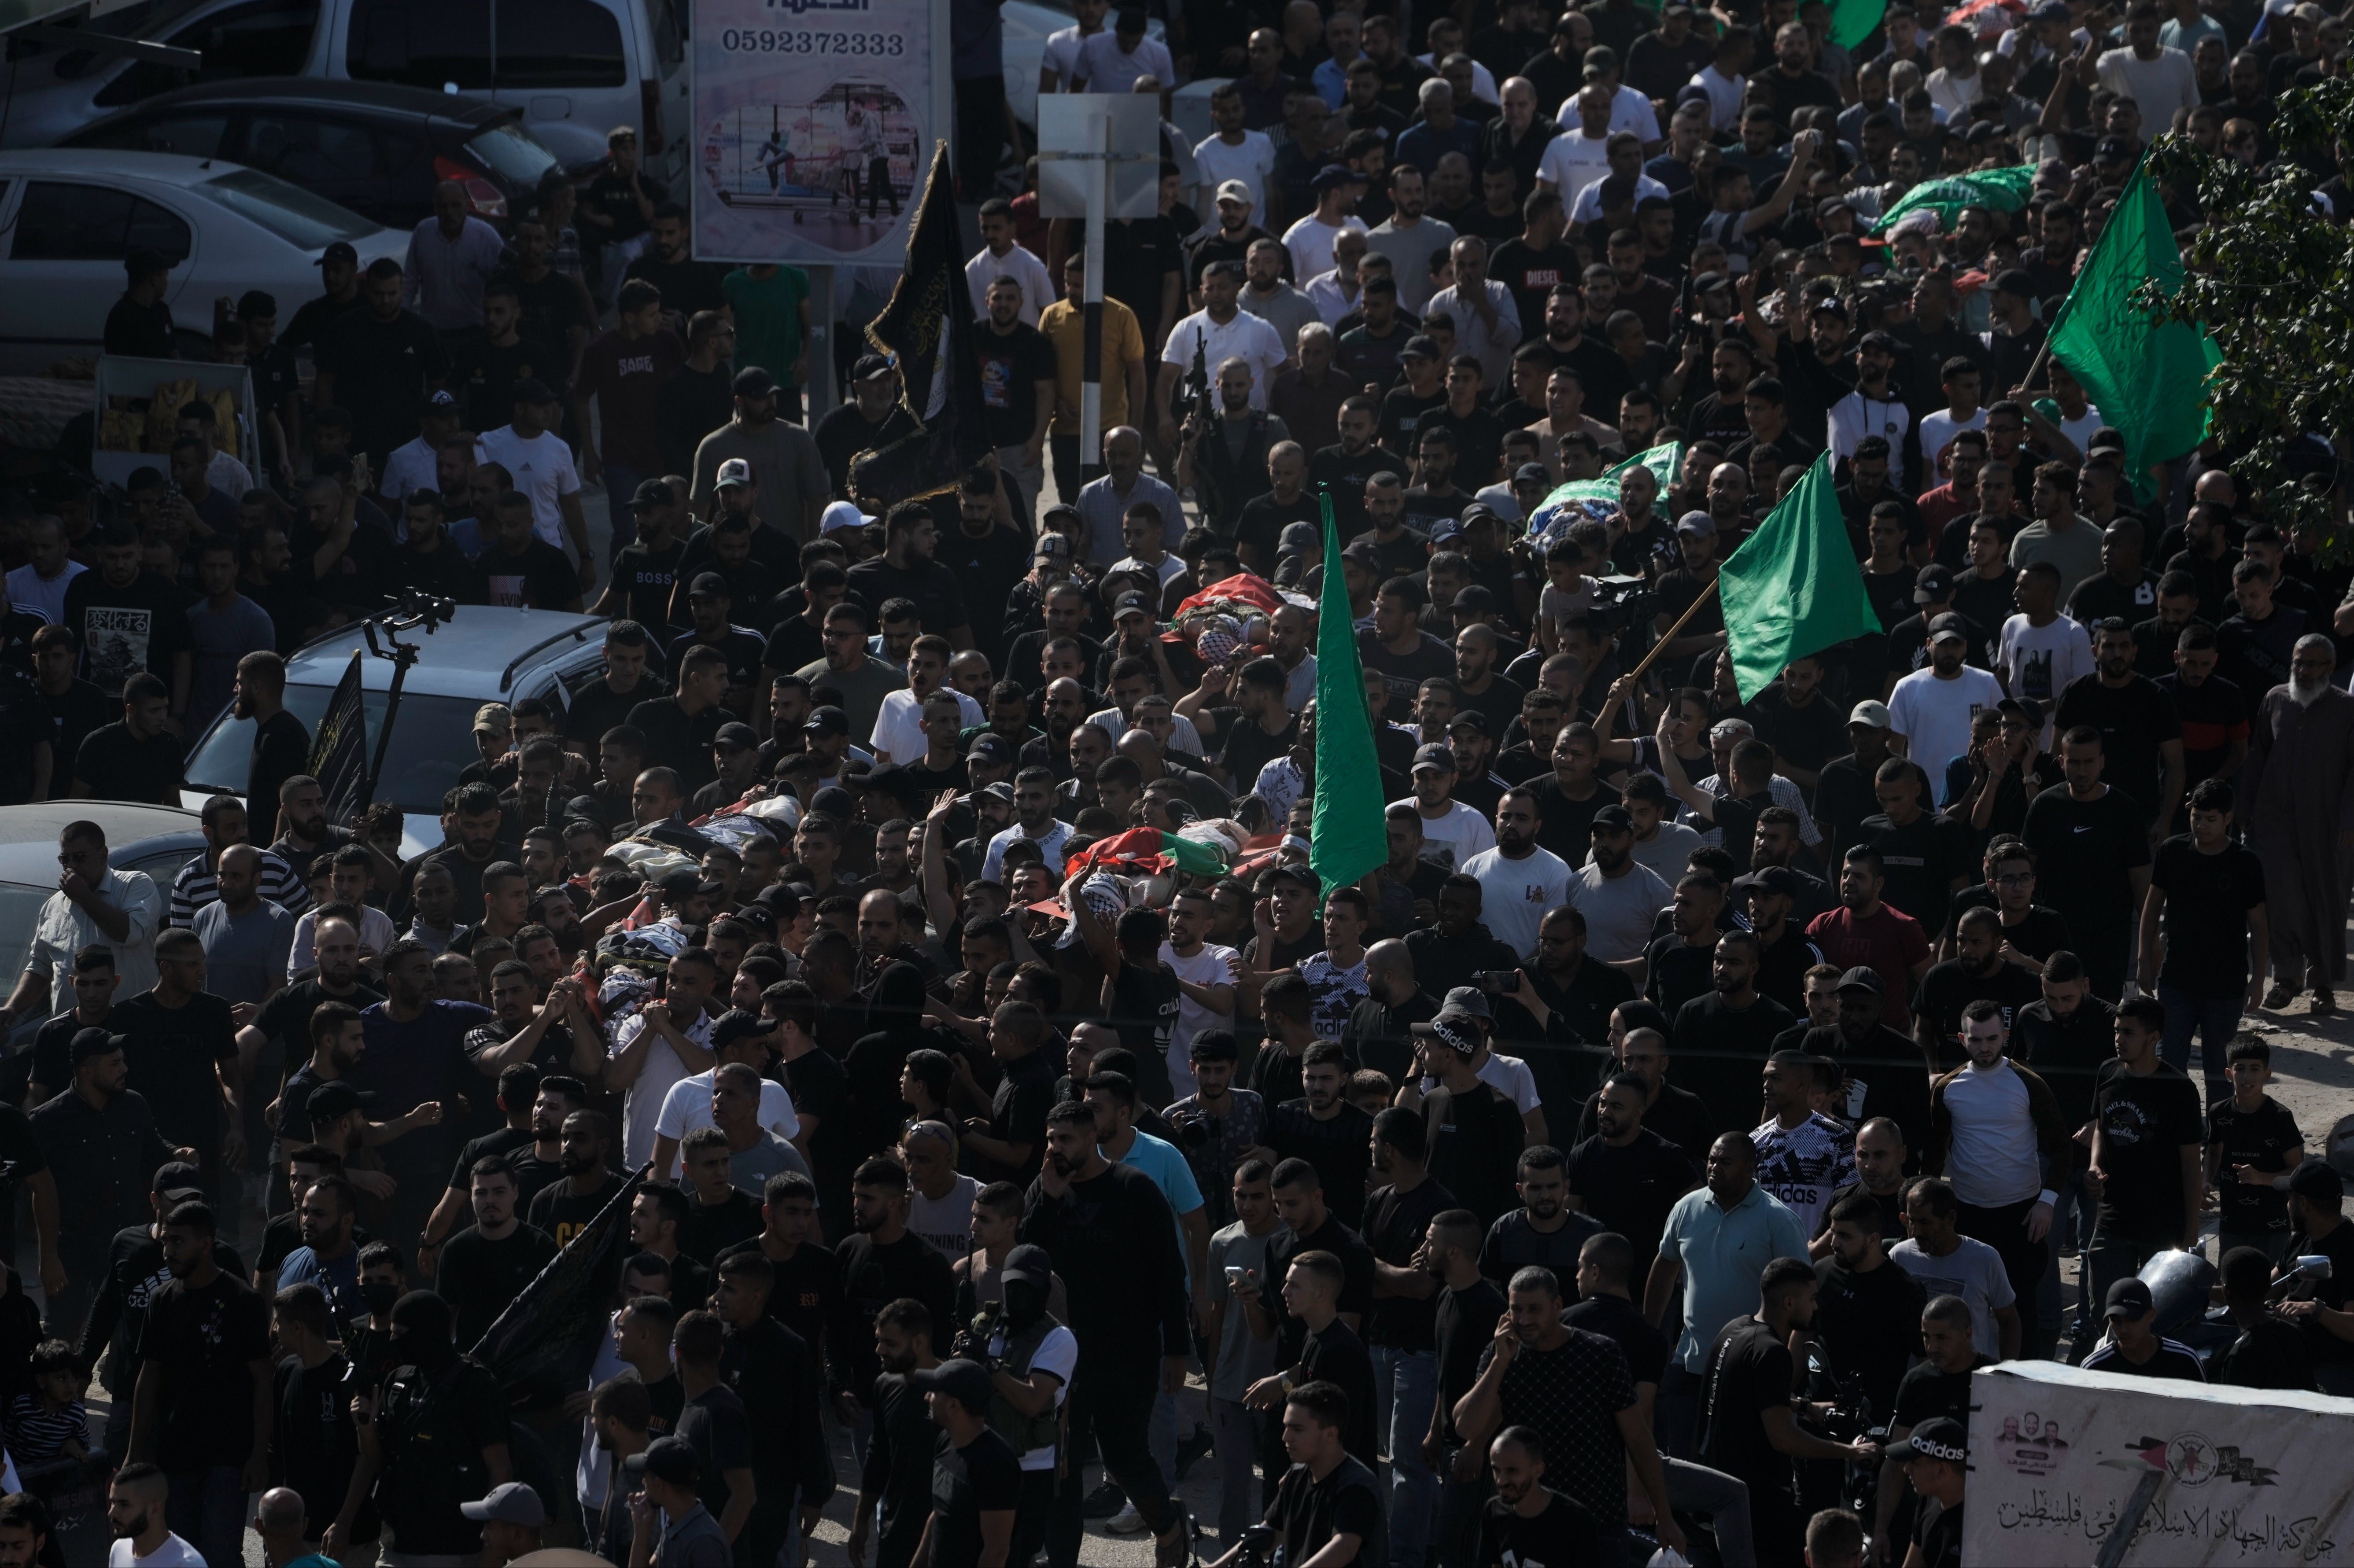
(1420, 346)
(1471, 720)
(1948, 625)
(2027, 708)
(737, 1023)
(961, 1379)
(1532, 472)
(2112, 149)
(1296, 538)
(1942, 1437)
(2128, 1297)
(89, 1042)
(1433, 756)
(1613, 819)
(495, 718)
(993, 750)
(1132, 604)
(708, 585)
(733, 473)
(1235, 190)
(651, 493)
(1467, 999)
(510, 1502)
(532, 391)
(736, 736)
(2050, 10)
(177, 1180)
(1028, 1262)
(870, 365)
(1292, 870)
(1001, 790)
(1696, 523)
(1779, 879)
(753, 382)
(329, 1101)
(1861, 978)
(1330, 177)
(1051, 548)
(340, 250)
(668, 1459)
(1443, 530)
(441, 403)
(840, 515)
(1934, 586)
(684, 882)
(827, 720)
(1872, 713)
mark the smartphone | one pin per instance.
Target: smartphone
(1237, 1274)
(1503, 982)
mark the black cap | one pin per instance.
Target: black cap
(1948, 625)
(1612, 819)
(869, 365)
(961, 1379)
(1132, 602)
(993, 750)
(826, 721)
(2129, 1297)
(1471, 720)
(736, 736)
(1420, 346)
(1779, 879)
(329, 1101)
(1433, 756)
(752, 382)
(1296, 871)
(2111, 148)
(1028, 1262)
(340, 250)
(89, 1042)
(707, 584)
(177, 1180)
(1934, 586)
(1861, 978)
(651, 493)
(670, 1459)
(1943, 1437)
(2027, 708)
(684, 882)
(737, 1023)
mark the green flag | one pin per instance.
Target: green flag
(2147, 378)
(2002, 190)
(1793, 588)
(1661, 460)
(1349, 837)
(1852, 21)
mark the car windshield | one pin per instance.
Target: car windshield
(306, 222)
(435, 742)
(513, 154)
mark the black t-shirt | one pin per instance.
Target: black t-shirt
(118, 766)
(1572, 1394)
(1562, 1536)
(1620, 1320)
(1870, 1325)
(1513, 1243)
(1349, 1502)
(381, 369)
(1340, 1149)
(1950, 987)
(2068, 1054)
(681, 739)
(2208, 898)
(932, 587)
(1938, 1532)
(2135, 720)
(982, 1477)
(479, 1277)
(1396, 1223)
(124, 631)
(714, 1424)
(1474, 1139)
(1630, 1190)
(172, 1054)
(648, 579)
(1356, 1280)
(1564, 822)
(2084, 850)
(710, 1228)
(538, 576)
(1334, 1354)
(203, 1342)
(143, 331)
(2145, 1122)
(2259, 1137)
(1463, 1326)
(1748, 1374)
(614, 197)
(1922, 858)
(312, 1441)
(1809, 737)
(1011, 365)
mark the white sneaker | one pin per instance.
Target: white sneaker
(1127, 1521)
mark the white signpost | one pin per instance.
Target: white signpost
(1099, 158)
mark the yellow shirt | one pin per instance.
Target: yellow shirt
(1065, 325)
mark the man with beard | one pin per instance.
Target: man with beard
(135, 1271)
(2301, 751)
(1109, 1235)
(895, 1482)
(584, 1155)
(281, 747)
(203, 1402)
(487, 1264)
(414, 1051)
(475, 819)
(282, 1032)
(883, 1262)
(134, 1517)
(1868, 1051)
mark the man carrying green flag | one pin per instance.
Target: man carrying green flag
(2147, 378)
(1793, 588)
(1349, 837)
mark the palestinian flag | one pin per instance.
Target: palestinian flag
(1152, 850)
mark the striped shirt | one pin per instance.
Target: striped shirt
(2172, 1359)
(196, 886)
(36, 1436)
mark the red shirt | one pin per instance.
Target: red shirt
(1887, 943)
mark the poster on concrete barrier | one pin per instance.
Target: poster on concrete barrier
(2058, 1457)
(813, 126)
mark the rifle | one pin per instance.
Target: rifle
(1193, 394)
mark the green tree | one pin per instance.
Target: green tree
(2271, 280)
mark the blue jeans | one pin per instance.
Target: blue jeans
(1675, 1421)
(621, 490)
(1405, 1389)
(2071, 1220)
(2214, 1018)
(206, 1509)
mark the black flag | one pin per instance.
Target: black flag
(544, 1343)
(927, 329)
(339, 753)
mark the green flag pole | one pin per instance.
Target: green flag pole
(1349, 836)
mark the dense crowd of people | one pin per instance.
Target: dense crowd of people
(909, 941)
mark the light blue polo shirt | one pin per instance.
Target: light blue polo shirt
(1165, 1163)
(1724, 1253)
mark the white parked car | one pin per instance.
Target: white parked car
(575, 68)
(70, 217)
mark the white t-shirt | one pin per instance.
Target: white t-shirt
(2039, 660)
(2158, 87)
(1252, 339)
(416, 466)
(1934, 715)
(1508, 1076)
(542, 469)
(1972, 1271)
(1062, 54)
(376, 934)
(1571, 162)
(687, 1106)
(1938, 428)
(1059, 1353)
(1211, 966)
(1619, 911)
(1038, 289)
(899, 725)
(1311, 239)
(1483, 81)
(642, 1103)
(1250, 162)
(945, 1223)
(1449, 841)
(1992, 1160)
(1105, 68)
(1050, 848)
(1516, 893)
(1184, 737)
(174, 1554)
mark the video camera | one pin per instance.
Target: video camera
(1621, 601)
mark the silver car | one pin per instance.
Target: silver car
(158, 840)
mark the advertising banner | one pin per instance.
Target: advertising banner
(815, 121)
(2059, 1459)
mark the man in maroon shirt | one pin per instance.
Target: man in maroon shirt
(624, 368)
(1865, 933)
